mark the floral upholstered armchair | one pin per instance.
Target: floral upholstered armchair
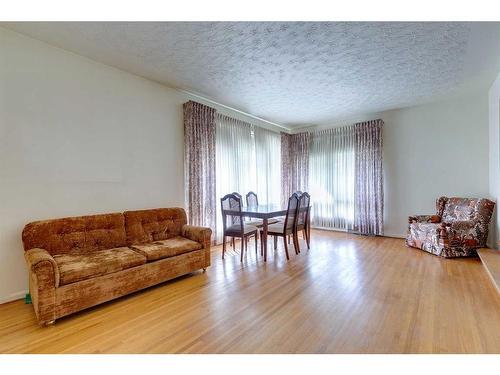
(459, 227)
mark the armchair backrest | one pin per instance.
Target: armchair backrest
(459, 209)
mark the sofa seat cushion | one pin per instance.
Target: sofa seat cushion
(75, 267)
(167, 248)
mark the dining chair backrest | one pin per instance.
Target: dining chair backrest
(252, 199)
(299, 193)
(304, 203)
(231, 202)
(291, 212)
(239, 196)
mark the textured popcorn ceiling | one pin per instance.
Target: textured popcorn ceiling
(293, 74)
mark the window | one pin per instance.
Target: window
(248, 158)
(332, 178)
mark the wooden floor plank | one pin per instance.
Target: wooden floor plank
(348, 294)
(491, 261)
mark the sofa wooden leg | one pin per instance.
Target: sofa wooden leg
(50, 323)
(204, 269)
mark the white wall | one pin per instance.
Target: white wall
(494, 155)
(78, 137)
(433, 150)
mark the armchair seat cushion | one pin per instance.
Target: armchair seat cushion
(167, 248)
(74, 267)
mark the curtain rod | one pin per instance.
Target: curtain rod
(234, 109)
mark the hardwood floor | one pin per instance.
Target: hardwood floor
(491, 262)
(348, 294)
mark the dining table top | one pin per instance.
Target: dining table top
(261, 211)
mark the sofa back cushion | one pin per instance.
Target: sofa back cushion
(80, 234)
(145, 226)
(458, 209)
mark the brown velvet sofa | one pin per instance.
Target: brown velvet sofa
(78, 262)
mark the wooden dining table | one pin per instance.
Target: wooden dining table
(264, 212)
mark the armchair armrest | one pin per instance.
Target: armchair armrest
(461, 232)
(198, 234)
(424, 219)
(459, 226)
(43, 265)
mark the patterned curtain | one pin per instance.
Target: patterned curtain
(294, 164)
(369, 192)
(199, 164)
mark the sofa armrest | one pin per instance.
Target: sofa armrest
(202, 235)
(44, 279)
(43, 265)
(424, 219)
(198, 234)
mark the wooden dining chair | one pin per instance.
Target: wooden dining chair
(299, 193)
(238, 195)
(241, 200)
(252, 199)
(233, 225)
(303, 219)
(284, 228)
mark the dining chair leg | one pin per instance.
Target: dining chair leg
(296, 245)
(233, 243)
(242, 248)
(295, 238)
(261, 246)
(286, 248)
(223, 246)
(289, 240)
(256, 251)
(246, 243)
(307, 233)
(275, 242)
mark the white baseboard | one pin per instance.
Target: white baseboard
(13, 297)
(395, 235)
(392, 235)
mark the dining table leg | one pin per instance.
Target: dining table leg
(264, 237)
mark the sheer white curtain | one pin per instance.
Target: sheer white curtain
(332, 178)
(268, 162)
(248, 158)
